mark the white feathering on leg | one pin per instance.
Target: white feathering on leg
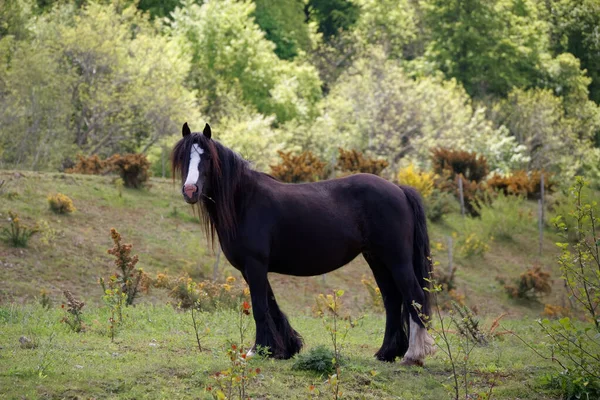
(420, 343)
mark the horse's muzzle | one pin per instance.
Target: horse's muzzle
(190, 193)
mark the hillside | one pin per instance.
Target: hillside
(167, 237)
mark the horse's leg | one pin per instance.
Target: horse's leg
(420, 343)
(292, 341)
(395, 340)
(267, 335)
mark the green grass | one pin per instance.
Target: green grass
(167, 237)
(155, 356)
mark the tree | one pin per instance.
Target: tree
(332, 16)
(233, 62)
(283, 22)
(489, 46)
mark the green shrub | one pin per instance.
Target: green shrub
(318, 359)
(439, 204)
(505, 217)
(61, 204)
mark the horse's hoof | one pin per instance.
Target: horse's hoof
(409, 362)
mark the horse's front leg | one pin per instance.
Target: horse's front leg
(267, 335)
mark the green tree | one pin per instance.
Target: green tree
(489, 46)
(332, 16)
(574, 29)
(283, 21)
(233, 62)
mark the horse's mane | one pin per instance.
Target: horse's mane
(226, 174)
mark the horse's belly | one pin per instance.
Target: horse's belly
(314, 253)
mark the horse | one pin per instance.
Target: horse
(307, 229)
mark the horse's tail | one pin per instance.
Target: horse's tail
(421, 254)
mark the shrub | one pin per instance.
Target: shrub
(422, 181)
(305, 167)
(505, 217)
(132, 168)
(471, 166)
(318, 359)
(128, 280)
(354, 162)
(472, 245)
(439, 204)
(61, 204)
(376, 300)
(522, 183)
(91, 165)
(531, 284)
(18, 234)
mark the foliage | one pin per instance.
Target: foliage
(61, 204)
(283, 24)
(305, 167)
(235, 380)
(206, 296)
(472, 245)
(532, 283)
(504, 217)
(123, 83)
(420, 180)
(318, 359)
(522, 183)
(128, 281)
(74, 309)
(132, 168)
(333, 16)
(92, 165)
(509, 37)
(18, 234)
(439, 204)
(354, 162)
(376, 107)
(233, 62)
(451, 166)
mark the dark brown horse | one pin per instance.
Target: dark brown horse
(309, 229)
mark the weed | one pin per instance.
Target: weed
(318, 359)
(18, 234)
(61, 204)
(129, 280)
(73, 319)
(47, 232)
(44, 299)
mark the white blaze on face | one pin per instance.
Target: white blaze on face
(193, 173)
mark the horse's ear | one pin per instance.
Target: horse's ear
(207, 131)
(185, 130)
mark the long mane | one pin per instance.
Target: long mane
(225, 176)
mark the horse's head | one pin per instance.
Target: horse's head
(192, 158)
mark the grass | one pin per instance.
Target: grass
(155, 356)
(167, 237)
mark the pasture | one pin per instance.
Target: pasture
(154, 353)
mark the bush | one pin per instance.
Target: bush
(505, 217)
(354, 162)
(522, 183)
(61, 204)
(422, 181)
(531, 284)
(17, 235)
(318, 359)
(91, 165)
(438, 204)
(452, 165)
(132, 168)
(305, 167)
(472, 245)
(471, 166)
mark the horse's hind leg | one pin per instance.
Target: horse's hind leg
(420, 343)
(395, 340)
